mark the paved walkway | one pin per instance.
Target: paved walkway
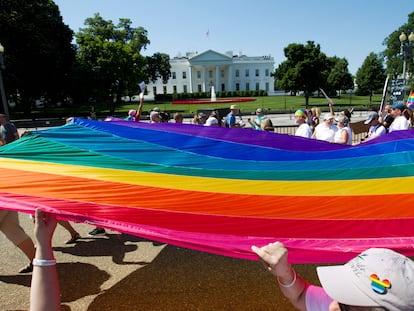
(120, 272)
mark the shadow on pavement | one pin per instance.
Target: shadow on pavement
(111, 245)
(181, 279)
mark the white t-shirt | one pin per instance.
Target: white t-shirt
(376, 131)
(338, 135)
(304, 130)
(211, 121)
(316, 299)
(399, 123)
(326, 133)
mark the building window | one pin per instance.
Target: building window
(267, 72)
(247, 86)
(174, 89)
(184, 75)
(223, 88)
(237, 86)
(198, 74)
(185, 88)
(210, 74)
(257, 72)
(164, 89)
(154, 90)
(257, 86)
(222, 73)
(247, 73)
(237, 73)
(199, 88)
(267, 86)
(174, 75)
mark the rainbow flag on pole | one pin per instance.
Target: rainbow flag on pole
(410, 100)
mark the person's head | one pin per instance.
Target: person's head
(164, 116)
(342, 120)
(155, 117)
(259, 112)
(132, 113)
(388, 108)
(347, 113)
(234, 109)
(300, 116)
(397, 109)
(178, 117)
(316, 111)
(372, 118)
(201, 118)
(328, 118)
(378, 277)
(3, 119)
(266, 125)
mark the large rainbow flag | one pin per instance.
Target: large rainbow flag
(219, 190)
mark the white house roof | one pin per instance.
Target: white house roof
(210, 56)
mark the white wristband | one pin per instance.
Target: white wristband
(291, 283)
(44, 262)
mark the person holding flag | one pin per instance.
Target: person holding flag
(137, 115)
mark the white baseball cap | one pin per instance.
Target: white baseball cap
(328, 116)
(378, 277)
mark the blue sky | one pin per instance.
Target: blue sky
(344, 28)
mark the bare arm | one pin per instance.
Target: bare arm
(274, 257)
(44, 291)
(331, 108)
(139, 110)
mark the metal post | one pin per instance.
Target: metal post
(2, 91)
(405, 50)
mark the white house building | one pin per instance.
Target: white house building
(226, 72)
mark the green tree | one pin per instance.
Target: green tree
(158, 66)
(304, 70)
(370, 76)
(339, 77)
(109, 64)
(38, 50)
(393, 55)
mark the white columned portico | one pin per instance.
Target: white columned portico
(218, 78)
(190, 75)
(204, 78)
(230, 79)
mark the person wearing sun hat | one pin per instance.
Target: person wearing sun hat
(230, 120)
(400, 121)
(303, 129)
(376, 279)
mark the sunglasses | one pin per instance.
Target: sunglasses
(355, 308)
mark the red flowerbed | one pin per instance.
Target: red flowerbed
(208, 101)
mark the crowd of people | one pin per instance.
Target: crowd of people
(329, 127)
